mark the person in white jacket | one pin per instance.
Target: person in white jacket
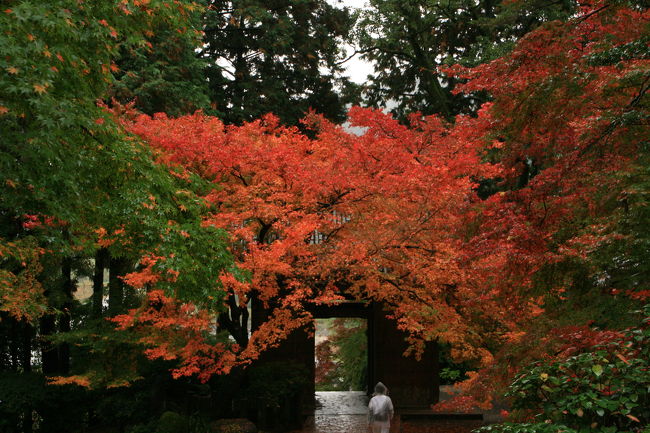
(380, 410)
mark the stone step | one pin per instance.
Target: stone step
(412, 414)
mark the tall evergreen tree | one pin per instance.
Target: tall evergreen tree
(408, 41)
(280, 56)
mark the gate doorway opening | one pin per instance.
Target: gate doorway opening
(341, 354)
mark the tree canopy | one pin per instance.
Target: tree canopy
(407, 42)
(276, 56)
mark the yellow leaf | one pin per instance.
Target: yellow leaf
(3, 110)
(12, 70)
(40, 88)
(622, 358)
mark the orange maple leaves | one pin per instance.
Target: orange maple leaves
(21, 292)
(169, 329)
(375, 216)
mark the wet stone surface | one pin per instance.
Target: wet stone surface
(338, 412)
(346, 412)
(341, 403)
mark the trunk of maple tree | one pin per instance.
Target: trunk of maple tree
(49, 352)
(26, 353)
(101, 257)
(130, 298)
(64, 320)
(28, 422)
(13, 346)
(56, 358)
(118, 267)
(235, 321)
(26, 364)
(258, 313)
(15, 356)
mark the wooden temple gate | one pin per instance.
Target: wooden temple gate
(412, 383)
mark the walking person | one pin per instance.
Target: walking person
(380, 410)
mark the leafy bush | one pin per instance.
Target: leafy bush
(451, 372)
(449, 376)
(525, 428)
(274, 382)
(604, 390)
(172, 422)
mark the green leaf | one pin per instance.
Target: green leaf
(597, 369)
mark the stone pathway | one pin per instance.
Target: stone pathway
(339, 412)
(346, 412)
(341, 403)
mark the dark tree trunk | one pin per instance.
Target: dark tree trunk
(118, 268)
(28, 422)
(101, 257)
(26, 354)
(14, 343)
(235, 320)
(130, 297)
(56, 358)
(259, 313)
(49, 352)
(65, 319)
(26, 364)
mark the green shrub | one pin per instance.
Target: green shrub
(172, 422)
(198, 424)
(274, 382)
(604, 390)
